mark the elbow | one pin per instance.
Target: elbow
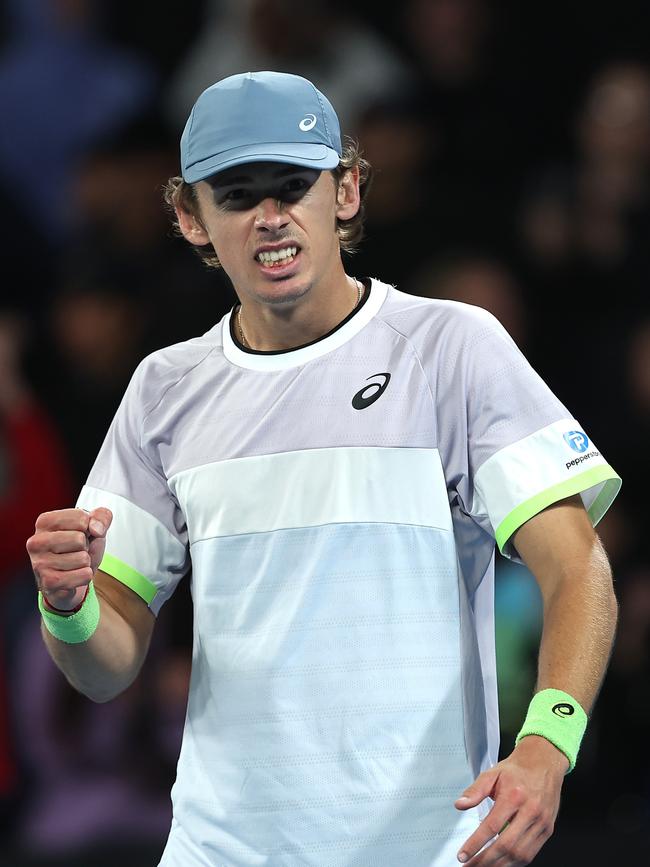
(100, 693)
(101, 697)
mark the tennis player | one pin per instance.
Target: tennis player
(337, 461)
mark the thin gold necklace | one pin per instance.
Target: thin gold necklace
(245, 342)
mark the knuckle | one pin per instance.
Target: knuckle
(492, 826)
(50, 581)
(35, 544)
(42, 520)
(82, 519)
(517, 795)
(547, 828)
(56, 545)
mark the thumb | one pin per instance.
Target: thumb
(96, 549)
(481, 788)
(99, 520)
(98, 523)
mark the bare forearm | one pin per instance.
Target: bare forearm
(579, 626)
(66, 551)
(107, 663)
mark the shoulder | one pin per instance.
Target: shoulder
(166, 367)
(433, 319)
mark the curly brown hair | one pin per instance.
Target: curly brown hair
(178, 193)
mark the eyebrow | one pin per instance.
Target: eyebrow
(247, 179)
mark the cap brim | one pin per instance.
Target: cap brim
(312, 156)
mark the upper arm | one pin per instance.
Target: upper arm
(560, 544)
(133, 610)
(147, 542)
(516, 449)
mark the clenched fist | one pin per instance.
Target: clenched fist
(66, 550)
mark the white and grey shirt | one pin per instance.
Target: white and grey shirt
(339, 504)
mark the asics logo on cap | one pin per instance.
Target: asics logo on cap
(308, 122)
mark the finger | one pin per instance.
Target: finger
(52, 581)
(504, 809)
(63, 519)
(522, 851)
(59, 542)
(100, 520)
(96, 550)
(68, 562)
(509, 848)
(480, 789)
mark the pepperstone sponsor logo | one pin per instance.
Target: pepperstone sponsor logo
(576, 461)
(563, 709)
(361, 400)
(579, 442)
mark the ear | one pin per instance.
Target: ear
(348, 199)
(192, 228)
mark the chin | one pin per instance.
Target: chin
(281, 294)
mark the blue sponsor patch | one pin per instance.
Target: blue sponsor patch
(578, 440)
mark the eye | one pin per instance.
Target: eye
(296, 184)
(236, 199)
(236, 195)
(294, 189)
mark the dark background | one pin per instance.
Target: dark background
(511, 143)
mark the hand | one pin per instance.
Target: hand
(66, 551)
(526, 791)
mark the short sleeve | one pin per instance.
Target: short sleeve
(525, 449)
(146, 544)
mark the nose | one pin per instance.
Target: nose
(270, 215)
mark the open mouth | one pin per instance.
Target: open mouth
(279, 258)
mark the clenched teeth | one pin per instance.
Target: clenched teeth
(277, 257)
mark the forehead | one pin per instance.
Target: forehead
(257, 173)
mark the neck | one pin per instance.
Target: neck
(277, 327)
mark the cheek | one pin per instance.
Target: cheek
(228, 243)
(320, 220)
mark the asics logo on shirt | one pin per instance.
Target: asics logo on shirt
(361, 400)
(308, 122)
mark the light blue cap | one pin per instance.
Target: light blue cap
(259, 117)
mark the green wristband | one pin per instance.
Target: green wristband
(74, 628)
(556, 716)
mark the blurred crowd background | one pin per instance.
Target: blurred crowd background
(511, 143)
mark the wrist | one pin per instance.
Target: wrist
(535, 746)
(75, 601)
(557, 717)
(72, 627)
